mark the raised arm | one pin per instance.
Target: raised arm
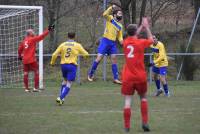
(106, 13)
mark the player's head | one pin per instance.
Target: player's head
(132, 29)
(117, 14)
(30, 32)
(155, 40)
(71, 35)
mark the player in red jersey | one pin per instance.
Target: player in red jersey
(26, 53)
(134, 74)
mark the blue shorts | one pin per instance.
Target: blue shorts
(69, 71)
(160, 70)
(107, 46)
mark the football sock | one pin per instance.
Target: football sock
(26, 81)
(93, 69)
(115, 71)
(127, 117)
(157, 84)
(165, 86)
(64, 92)
(144, 111)
(36, 79)
(61, 88)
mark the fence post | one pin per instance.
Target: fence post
(150, 69)
(79, 71)
(104, 67)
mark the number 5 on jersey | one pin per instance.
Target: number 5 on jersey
(131, 50)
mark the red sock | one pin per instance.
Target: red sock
(26, 81)
(127, 117)
(36, 79)
(144, 111)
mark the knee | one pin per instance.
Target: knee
(99, 57)
(163, 80)
(25, 73)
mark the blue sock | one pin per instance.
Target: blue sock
(165, 86)
(64, 92)
(115, 71)
(157, 84)
(93, 69)
(61, 88)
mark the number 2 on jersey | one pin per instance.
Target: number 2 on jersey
(68, 52)
(130, 54)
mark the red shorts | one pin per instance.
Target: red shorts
(128, 88)
(31, 67)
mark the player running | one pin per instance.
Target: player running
(108, 45)
(69, 52)
(26, 53)
(133, 74)
(159, 68)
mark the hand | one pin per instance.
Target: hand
(151, 64)
(20, 58)
(145, 22)
(51, 27)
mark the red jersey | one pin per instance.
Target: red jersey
(27, 47)
(134, 69)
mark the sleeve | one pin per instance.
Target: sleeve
(106, 14)
(161, 54)
(82, 51)
(146, 42)
(120, 36)
(20, 50)
(40, 37)
(55, 55)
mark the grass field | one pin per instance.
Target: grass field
(96, 108)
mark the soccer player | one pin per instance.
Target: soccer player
(133, 74)
(69, 52)
(159, 68)
(26, 53)
(113, 31)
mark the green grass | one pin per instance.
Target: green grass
(96, 108)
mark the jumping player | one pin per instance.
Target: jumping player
(159, 68)
(26, 53)
(133, 74)
(113, 31)
(69, 52)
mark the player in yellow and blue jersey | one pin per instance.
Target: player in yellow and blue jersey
(108, 45)
(68, 52)
(160, 63)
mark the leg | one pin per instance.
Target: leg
(94, 67)
(156, 78)
(26, 70)
(115, 69)
(34, 67)
(163, 73)
(66, 89)
(127, 112)
(142, 90)
(165, 85)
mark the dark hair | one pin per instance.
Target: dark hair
(71, 35)
(131, 29)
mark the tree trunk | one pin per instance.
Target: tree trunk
(133, 6)
(143, 8)
(125, 9)
(197, 6)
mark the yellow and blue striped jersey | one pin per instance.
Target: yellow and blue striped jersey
(113, 29)
(159, 55)
(69, 52)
